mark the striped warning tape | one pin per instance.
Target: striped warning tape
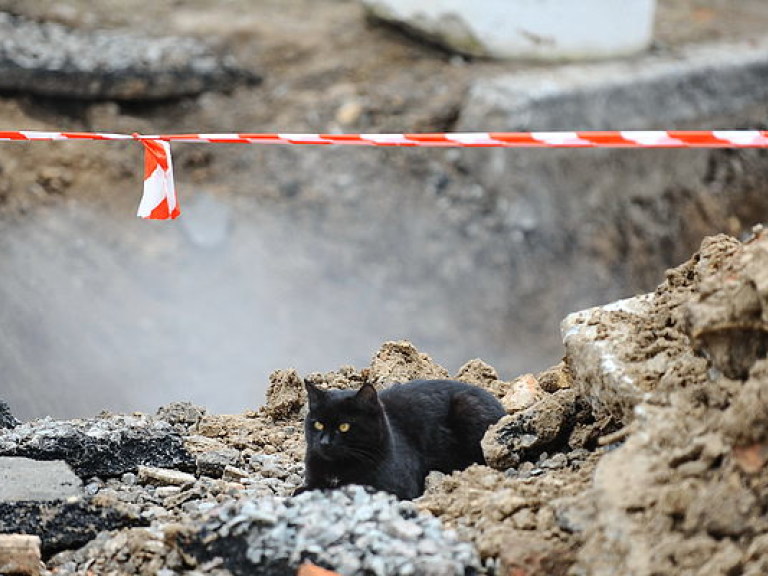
(159, 200)
(586, 139)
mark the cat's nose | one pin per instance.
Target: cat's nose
(325, 440)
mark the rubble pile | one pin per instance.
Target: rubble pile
(643, 453)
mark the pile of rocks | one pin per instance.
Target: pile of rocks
(210, 493)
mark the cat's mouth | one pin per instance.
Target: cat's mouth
(327, 452)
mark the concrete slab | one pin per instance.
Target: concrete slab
(537, 29)
(23, 479)
(656, 91)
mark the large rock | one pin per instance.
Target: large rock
(104, 447)
(547, 30)
(605, 380)
(524, 435)
(54, 60)
(623, 353)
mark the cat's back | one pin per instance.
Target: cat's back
(441, 420)
(425, 394)
(424, 404)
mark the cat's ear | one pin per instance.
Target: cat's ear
(367, 395)
(314, 393)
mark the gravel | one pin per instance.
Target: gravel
(352, 530)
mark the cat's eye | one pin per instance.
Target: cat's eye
(344, 427)
(318, 425)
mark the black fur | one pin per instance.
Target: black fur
(396, 436)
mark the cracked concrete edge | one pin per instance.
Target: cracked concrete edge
(656, 91)
(598, 373)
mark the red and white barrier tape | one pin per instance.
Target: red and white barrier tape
(159, 200)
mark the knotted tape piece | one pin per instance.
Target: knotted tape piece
(159, 200)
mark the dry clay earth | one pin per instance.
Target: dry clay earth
(672, 480)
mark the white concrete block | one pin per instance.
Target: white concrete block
(526, 29)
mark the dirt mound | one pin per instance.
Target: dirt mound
(686, 493)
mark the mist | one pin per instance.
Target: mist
(102, 312)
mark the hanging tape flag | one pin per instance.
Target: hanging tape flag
(159, 200)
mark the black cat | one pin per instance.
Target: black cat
(390, 440)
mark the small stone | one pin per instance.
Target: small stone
(693, 469)
(166, 491)
(557, 378)
(578, 454)
(526, 467)
(269, 465)
(233, 473)
(164, 477)
(557, 461)
(214, 463)
(524, 519)
(349, 112)
(20, 555)
(433, 480)
(751, 459)
(405, 530)
(478, 373)
(184, 413)
(523, 393)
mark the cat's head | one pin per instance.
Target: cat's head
(345, 424)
